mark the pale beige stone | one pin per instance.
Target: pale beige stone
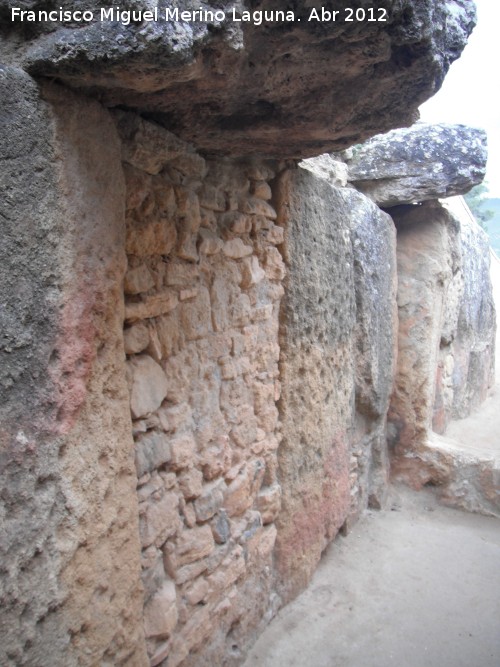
(274, 265)
(216, 345)
(191, 483)
(186, 572)
(255, 206)
(181, 274)
(154, 348)
(269, 503)
(198, 628)
(210, 244)
(216, 458)
(152, 450)
(196, 591)
(275, 235)
(149, 385)
(138, 279)
(160, 612)
(210, 500)
(190, 165)
(170, 334)
(151, 306)
(260, 172)
(189, 515)
(186, 294)
(236, 222)
(189, 546)
(236, 249)
(189, 217)
(212, 197)
(208, 219)
(195, 315)
(262, 190)
(251, 272)
(230, 570)
(136, 338)
(159, 520)
(138, 184)
(183, 451)
(164, 196)
(237, 498)
(147, 146)
(263, 313)
(150, 235)
(175, 417)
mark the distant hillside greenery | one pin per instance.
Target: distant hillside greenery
(486, 210)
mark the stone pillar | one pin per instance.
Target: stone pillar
(71, 590)
(317, 374)
(428, 258)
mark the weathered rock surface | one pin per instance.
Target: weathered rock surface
(317, 374)
(418, 163)
(236, 87)
(337, 344)
(473, 346)
(203, 376)
(69, 546)
(373, 237)
(427, 257)
(446, 337)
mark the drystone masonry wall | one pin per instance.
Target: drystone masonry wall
(203, 290)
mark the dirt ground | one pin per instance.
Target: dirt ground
(416, 585)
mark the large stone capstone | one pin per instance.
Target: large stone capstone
(281, 84)
(418, 163)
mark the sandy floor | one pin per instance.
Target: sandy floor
(417, 585)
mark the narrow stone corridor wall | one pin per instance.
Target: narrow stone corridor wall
(337, 342)
(446, 333)
(203, 290)
(70, 590)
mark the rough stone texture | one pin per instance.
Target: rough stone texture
(334, 396)
(205, 419)
(465, 478)
(327, 167)
(427, 259)
(473, 346)
(446, 335)
(374, 249)
(418, 163)
(69, 551)
(235, 87)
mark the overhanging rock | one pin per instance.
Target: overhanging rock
(418, 163)
(284, 88)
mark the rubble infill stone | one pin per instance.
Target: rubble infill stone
(418, 163)
(151, 306)
(149, 385)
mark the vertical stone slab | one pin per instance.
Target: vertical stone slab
(317, 373)
(427, 256)
(374, 248)
(474, 346)
(70, 556)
